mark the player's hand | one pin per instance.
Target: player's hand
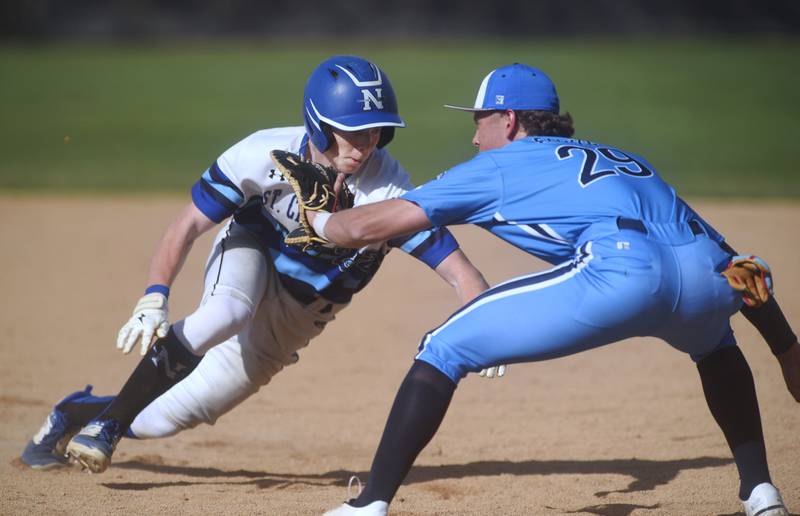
(790, 365)
(495, 371)
(150, 319)
(751, 276)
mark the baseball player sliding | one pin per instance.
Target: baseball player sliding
(263, 300)
(632, 259)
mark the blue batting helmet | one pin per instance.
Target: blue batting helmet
(351, 94)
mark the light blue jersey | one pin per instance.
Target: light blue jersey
(633, 258)
(543, 194)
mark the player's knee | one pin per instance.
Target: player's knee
(235, 311)
(217, 320)
(439, 355)
(723, 361)
(152, 425)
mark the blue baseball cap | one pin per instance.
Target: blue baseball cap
(518, 87)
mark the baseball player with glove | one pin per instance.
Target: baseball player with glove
(263, 299)
(631, 259)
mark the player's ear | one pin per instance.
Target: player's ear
(512, 124)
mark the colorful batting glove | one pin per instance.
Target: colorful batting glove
(150, 319)
(751, 276)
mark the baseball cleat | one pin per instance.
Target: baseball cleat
(46, 449)
(377, 508)
(94, 445)
(765, 500)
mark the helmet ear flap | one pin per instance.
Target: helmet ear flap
(387, 133)
(319, 133)
(327, 132)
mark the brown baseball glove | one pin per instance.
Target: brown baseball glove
(316, 190)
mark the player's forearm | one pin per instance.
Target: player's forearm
(373, 223)
(168, 260)
(459, 272)
(790, 366)
(348, 228)
(175, 244)
(772, 324)
(470, 286)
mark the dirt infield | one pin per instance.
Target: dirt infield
(615, 431)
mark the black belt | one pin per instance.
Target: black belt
(638, 225)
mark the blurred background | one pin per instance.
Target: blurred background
(143, 96)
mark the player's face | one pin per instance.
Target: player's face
(350, 149)
(491, 130)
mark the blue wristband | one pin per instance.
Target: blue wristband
(161, 289)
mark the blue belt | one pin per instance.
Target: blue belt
(638, 225)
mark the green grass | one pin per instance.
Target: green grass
(716, 117)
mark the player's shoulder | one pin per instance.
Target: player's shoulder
(481, 162)
(564, 144)
(287, 138)
(249, 159)
(382, 177)
(383, 169)
(539, 145)
(554, 149)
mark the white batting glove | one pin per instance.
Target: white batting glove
(491, 372)
(150, 318)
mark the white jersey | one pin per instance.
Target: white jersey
(263, 300)
(245, 183)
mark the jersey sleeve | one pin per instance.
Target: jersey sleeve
(239, 174)
(216, 195)
(429, 246)
(468, 193)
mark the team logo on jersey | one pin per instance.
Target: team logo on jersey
(369, 99)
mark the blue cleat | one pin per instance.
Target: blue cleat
(46, 449)
(94, 445)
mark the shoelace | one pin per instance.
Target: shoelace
(350, 485)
